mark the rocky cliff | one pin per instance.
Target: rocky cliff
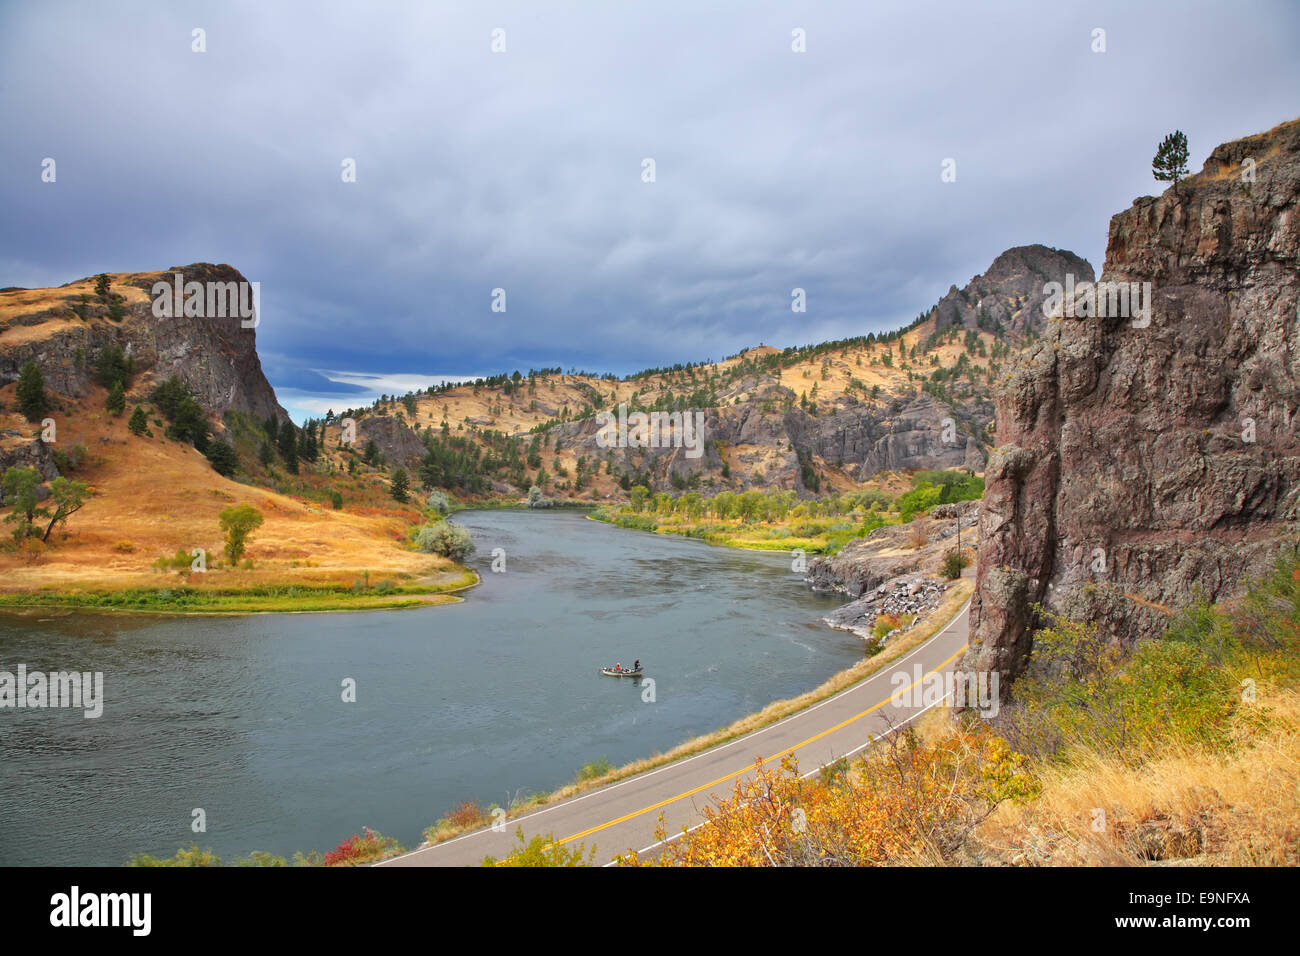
(63, 330)
(1143, 457)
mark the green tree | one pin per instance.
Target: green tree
(224, 460)
(32, 400)
(139, 422)
(401, 485)
(238, 522)
(112, 365)
(639, 495)
(289, 447)
(116, 401)
(1170, 163)
(20, 486)
(102, 286)
(69, 497)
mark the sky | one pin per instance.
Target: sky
(503, 146)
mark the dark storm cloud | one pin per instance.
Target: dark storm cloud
(522, 170)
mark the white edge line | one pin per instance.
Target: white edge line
(803, 776)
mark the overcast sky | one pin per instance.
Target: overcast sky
(523, 169)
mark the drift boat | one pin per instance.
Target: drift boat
(611, 672)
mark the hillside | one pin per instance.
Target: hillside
(154, 494)
(814, 419)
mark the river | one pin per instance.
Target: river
(244, 717)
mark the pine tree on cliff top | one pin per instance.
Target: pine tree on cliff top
(1170, 163)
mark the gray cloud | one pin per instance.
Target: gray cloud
(522, 170)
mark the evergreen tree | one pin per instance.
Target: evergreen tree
(289, 447)
(139, 423)
(224, 460)
(32, 400)
(1170, 163)
(401, 485)
(116, 401)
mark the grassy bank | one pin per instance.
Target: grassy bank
(253, 599)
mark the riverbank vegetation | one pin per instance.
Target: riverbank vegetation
(781, 521)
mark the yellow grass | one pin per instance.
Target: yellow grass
(1238, 809)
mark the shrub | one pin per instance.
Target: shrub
(536, 499)
(336, 500)
(954, 562)
(359, 850)
(191, 857)
(126, 547)
(543, 850)
(438, 501)
(448, 540)
(597, 768)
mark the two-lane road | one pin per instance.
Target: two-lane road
(623, 816)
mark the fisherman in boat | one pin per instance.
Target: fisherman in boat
(637, 666)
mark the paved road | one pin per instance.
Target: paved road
(623, 815)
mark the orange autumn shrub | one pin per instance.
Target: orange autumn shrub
(905, 802)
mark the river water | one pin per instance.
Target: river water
(244, 717)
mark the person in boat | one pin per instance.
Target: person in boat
(618, 668)
(637, 666)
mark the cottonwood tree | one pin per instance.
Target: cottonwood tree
(20, 486)
(238, 522)
(69, 497)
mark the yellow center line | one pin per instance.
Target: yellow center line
(778, 755)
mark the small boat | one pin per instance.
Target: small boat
(611, 672)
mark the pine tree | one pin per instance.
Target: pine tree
(116, 401)
(139, 423)
(32, 400)
(289, 447)
(401, 485)
(1170, 163)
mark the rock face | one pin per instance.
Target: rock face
(893, 551)
(1138, 463)
(396, 441)
(1009, 296)
(216, 357)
